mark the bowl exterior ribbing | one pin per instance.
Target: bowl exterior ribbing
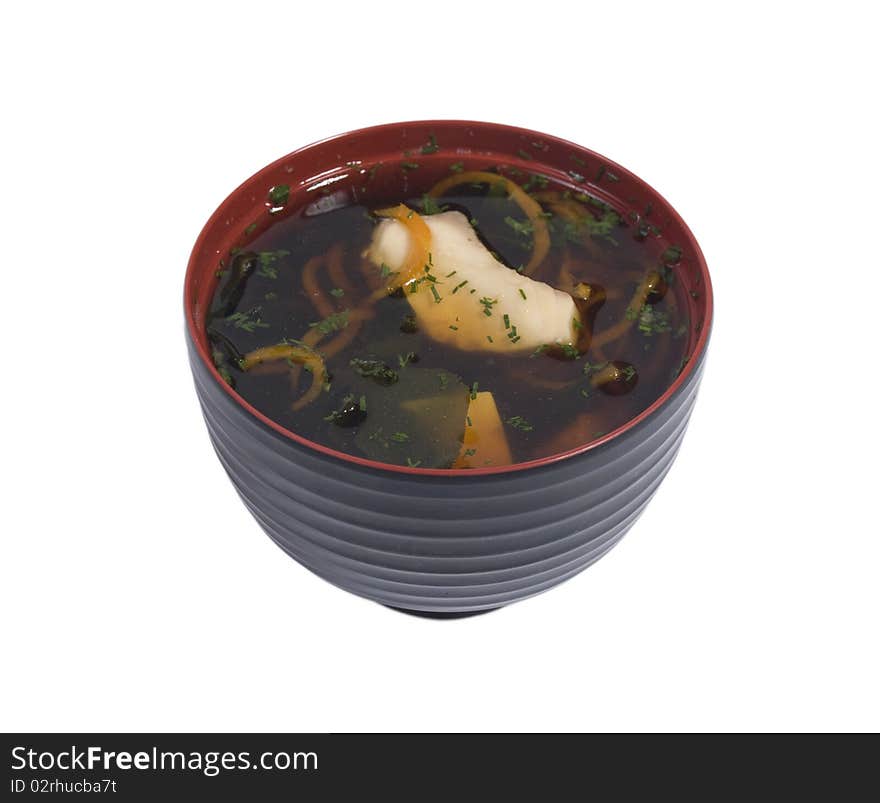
(442, 544)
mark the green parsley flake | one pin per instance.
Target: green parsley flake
(279, 194)
(332, 323)
(267, 260)
(430, 206)
(248, 321)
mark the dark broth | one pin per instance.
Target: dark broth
(550, 403)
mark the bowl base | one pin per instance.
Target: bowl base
(441, 614)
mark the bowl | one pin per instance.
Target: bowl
(432, 541)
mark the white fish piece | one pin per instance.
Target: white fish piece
(470, 281)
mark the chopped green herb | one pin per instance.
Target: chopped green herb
(405, 359)
(506, 321)
(457, 167)
(474, 222)
(453, 327)
(488, 303)
(337, 292)
(279, 194)
(431, 147)
(271, 296)
(536, 180)
(437, 298)
(413, 463)
(671, 256)
(594, 368)
(470, 452)
(409, 166)
(267, 260)
(251, 228)
(399, 437)
(524, 154)
(248, 321)
(524, 227)
(576, 177)
(520, 423)
(430, 206)
(469, 422)
(601, 226)
(444, 381)
(653, 321)
(489, 338)
(522, 293)
(474, 389)
(332, 323)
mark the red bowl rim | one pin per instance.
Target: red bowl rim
(682, 378)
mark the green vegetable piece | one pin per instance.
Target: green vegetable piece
(417, 420)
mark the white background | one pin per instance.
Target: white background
(138, 593)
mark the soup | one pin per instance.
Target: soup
(448, 313)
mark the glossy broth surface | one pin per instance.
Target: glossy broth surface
(549, 402)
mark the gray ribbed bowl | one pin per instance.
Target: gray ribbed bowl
(428, 543)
